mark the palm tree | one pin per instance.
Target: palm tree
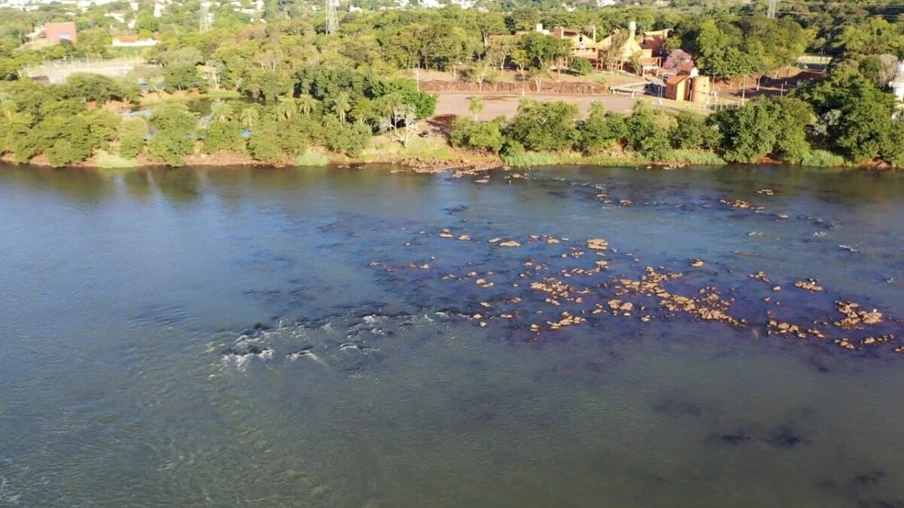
(220, 111)
(341, 105)
(597, 109)
(475, 105)
(286, 108)
(306, 103)
(249, 116)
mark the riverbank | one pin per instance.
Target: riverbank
(433, 154)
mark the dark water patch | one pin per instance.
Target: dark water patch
(785, 437)
(162, 315)
(732, 438)
(677, 406)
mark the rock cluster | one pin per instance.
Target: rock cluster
(809, 285)
(560, 280)
(854, 317)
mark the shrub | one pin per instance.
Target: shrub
(580, 66)
(310, 158)
(469, 133)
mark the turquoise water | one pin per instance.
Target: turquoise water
(271, 338)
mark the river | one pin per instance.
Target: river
(361, 338)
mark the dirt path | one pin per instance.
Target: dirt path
(506, 105)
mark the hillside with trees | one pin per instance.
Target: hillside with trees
(283, 88)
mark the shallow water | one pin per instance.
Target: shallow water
(267, 338)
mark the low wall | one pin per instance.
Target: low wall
(515, 87)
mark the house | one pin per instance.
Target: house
(56, 32)
(630, 53)
(676, 87)
(654, 41)
(688, 87)
(582, 45)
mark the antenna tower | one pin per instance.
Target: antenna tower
(332, 20)
(205, 17)
(770, 13)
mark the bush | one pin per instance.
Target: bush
(580, 66)
(601, 131)
(132, 133)
(542, 126)
(692, 131)
(223, 136)
(469, 133)
(174, 134)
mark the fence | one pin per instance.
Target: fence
(57, 71)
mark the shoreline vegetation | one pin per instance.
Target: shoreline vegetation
(290, 92)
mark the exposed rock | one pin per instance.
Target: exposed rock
(597, 244)
(696, 263)
(510, 243)
(809, 285)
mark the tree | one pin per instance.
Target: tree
(542, 49)
(401, 125)
(523, 18)
(220, 111)
(261, 142)
(645, 135)
(223, 135)
(543, 125)
(692, 131)
(173, 134)
(467, 133)
(479, 72)
(181, 76)
(306, 103)
(286, 108)
(406, 91)
(521, 60)
(499, 51)
(249, 117)
(601, 129)
(538, 74)
(132, 133)
(91, 88)
(341, 105)
(475, 105)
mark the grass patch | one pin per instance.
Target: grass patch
(822, 159)
(310, 158)
(431, 147)
(694, 157)
(113, 163)
(530, 159)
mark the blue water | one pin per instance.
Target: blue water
(243, 337)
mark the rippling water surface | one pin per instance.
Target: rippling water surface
(311, 338)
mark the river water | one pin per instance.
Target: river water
(315, 338)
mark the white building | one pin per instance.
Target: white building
(897, 84)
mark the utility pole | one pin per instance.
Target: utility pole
(332, 21)
(205, 16)
(770, 13)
